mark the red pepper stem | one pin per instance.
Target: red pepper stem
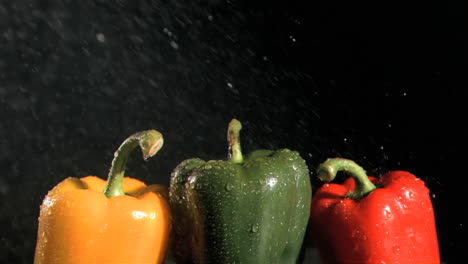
(235, 152)
(150, 142)
(328, 170)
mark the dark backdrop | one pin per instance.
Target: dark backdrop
(383, 84)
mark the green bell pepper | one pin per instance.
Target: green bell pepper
(252, 210)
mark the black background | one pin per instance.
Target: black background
(382, 84)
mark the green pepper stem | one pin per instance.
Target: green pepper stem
(235, 152)
(328, 170)
(150, 142)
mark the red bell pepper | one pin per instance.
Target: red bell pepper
(370, 220)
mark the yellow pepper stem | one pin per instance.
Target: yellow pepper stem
(150, 142)
(235, 152)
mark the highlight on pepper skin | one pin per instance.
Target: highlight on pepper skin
(141, 215)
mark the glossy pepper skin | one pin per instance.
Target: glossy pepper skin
(89, 220)
(385, 220)
(252, 210)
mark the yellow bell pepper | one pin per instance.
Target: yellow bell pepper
(89, 220)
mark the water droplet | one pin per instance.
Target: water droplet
(355, 233)
(100, 37)
(229, 187)
(396, 249)
(192, 185)
(174, 44)
(192, 179)
(44, 237)
(271, 181)
(409, 194)
(388, 212)
(167, 31)
(254, 228)
(411, 233)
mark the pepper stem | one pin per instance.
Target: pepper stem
(150, 142)
(328, 170)
(235, 152)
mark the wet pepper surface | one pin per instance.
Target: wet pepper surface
(252, 210)
(370, 220)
